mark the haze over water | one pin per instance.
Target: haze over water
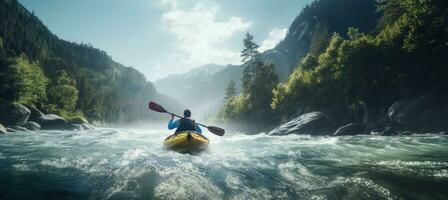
(132, 164)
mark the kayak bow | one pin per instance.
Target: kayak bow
(186, 141)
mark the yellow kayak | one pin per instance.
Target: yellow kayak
(186, 141)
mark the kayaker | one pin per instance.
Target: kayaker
(184, 124)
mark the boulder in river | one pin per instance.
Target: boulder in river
(87, 126)
(389, 131)
(30, 125)
(75, 127)
(350, 129)
(51, 121)
(10, 130)
(35, 113)
(313, 123)
(18, 128)
(2, 129)
(423, 114)
(78, 120)
(13, 114)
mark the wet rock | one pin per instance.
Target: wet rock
(388, 131)
(35, 113)
(18, 128)
(313, 123)
(350, 129)
(30, 125)
(13, 114)
(2, 129)
(75, 127)
(422, 114)
(10, 130)
(51, 121)
(375, 131)
(87, 126)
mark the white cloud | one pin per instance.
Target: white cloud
(275, 36)
(172, 3)
(200, 37)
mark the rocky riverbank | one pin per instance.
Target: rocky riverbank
(424, 114)
(18, 117)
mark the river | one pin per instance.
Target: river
(132, 164)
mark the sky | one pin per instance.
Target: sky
(162, 37)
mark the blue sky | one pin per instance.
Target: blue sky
(161, 37)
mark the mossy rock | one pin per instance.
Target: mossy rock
(77, 120)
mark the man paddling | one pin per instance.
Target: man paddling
(183, 124)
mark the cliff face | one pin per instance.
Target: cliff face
(311, 30)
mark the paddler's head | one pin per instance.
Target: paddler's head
(187, 113)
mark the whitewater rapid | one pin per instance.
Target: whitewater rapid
(132, 164)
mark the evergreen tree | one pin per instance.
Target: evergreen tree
(22, 81)
(230, 91)
(259, 80)
(63, 94)
(261, 94)
(251, 58)
(90, 83)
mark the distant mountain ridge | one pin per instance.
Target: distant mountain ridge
(309, 33)
(202, 73)
(202, 88)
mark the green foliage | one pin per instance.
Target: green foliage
(235, 109)
(260, 94)
(22, 81)
(367, 72)
(63, 94)
(258, 79)
(287, 97)
(231, 90)
(251, 59)
(250, 52)
(84, 79)
(75, 118)
(320, 39)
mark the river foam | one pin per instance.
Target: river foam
(132, 164)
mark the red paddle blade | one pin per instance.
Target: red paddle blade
(216, 130)
(156, 107)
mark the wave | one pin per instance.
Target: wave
(132, 164)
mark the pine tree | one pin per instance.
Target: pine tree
(251, 58)
(250, 52)
(230, 91)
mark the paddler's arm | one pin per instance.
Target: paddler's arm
(173, 124)
(198, 129)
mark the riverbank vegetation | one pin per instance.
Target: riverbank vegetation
(258, 79)
(358, 75)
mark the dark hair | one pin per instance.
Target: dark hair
(187, 113)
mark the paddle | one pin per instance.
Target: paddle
(158, 108)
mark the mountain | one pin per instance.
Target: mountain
(309, 33)
(101, 89)
(201, 89)
(199, 75)
(311, 30)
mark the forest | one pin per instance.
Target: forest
(354, 75)
(73, 80)
(351, 64)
